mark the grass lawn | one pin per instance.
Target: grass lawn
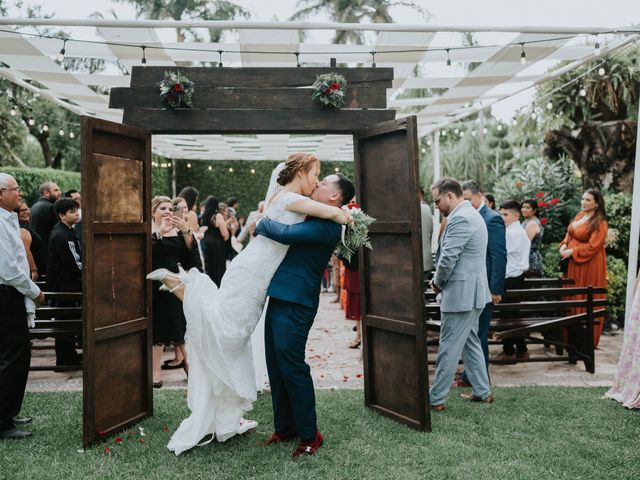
(528, 433)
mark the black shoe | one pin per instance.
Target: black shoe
(157, 384)
(168, 366)
(14, 434)
(22, 420)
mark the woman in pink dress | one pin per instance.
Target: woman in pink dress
(626, 384)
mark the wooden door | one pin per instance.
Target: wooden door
(394, 342)
(116, 230)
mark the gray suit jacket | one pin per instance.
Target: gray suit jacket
(461, 270)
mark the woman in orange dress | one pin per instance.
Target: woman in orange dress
(584, 247)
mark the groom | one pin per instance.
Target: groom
(294, 295)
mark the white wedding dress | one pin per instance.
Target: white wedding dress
(220, 322)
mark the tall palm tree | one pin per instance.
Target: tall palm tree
(354, 11)
(189, 10)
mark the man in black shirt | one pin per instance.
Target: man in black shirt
(43, 218)
(64, 269)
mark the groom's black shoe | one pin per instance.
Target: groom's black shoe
(277, 437)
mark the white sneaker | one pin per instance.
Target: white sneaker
(247, 425)
(331, 289)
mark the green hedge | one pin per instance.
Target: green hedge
(249, 188)
(30, 180)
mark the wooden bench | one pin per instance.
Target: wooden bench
(57, 322)
(541, 310)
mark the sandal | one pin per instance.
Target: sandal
(168, 366)
(356, 343)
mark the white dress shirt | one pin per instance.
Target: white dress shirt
(518, 246)
(14, 266)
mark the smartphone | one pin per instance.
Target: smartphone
(176, 211)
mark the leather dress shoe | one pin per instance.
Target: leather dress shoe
(14, 434)
(309, 447)
(277, 437)
(22, 420)
(473, 398)
(438, 408)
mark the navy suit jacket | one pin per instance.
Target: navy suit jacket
(496, 249)
(298, 277)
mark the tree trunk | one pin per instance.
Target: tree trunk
(603, 151)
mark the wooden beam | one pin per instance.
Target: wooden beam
(254, 121)
(257, 77)
(374, 95)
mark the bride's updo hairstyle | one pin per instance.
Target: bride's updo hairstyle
(296, 162)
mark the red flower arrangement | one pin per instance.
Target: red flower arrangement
(329, 90)
(176, 90)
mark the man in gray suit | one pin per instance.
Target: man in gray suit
(461, 283)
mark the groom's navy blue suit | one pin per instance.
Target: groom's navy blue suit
(294, 295)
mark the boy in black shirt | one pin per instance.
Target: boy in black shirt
(64, 269)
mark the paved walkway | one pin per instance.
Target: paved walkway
(334, 365)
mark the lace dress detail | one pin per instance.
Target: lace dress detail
(222, 383)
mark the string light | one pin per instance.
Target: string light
(62, 51)
(443, 133)
(61, 133)
(230, 169)
(523, 55)
(499, 127)
(602, 71)
(424, 150)
(448, 57)
(549, 106)
(31, 122)
(485, 130)
(533, 115)
(583, 92)
(144, 57)
(210, 168)
(456, 131)
(429, 142)
(188, 165)
(596, 47)
(72, 135)
(474, 133)
(168, 164)
(45, 128)
(461, 134)
(13, 111)
(253, 171)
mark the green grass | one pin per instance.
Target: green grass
(528, 433)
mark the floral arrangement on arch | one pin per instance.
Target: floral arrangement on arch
(355, 234)
(329, 90)
(176, 90)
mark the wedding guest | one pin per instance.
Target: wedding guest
(31, 239)
(496, 264)
(427, 231)
(518, 245)
(169, 248)
(64, 270)
(214, 242)
(17, 296)
(352, 291)
(43, 218)
(626, 383)
(190, 195)
(583, 246)
(232, 204)
(490, 200)
(533, 227)
(245, 233)
(75, 196)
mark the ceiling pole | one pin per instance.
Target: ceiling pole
(632, 267)
(435, 140)
(173, 179)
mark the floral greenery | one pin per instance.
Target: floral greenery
(30, 179)
(176, 90)
(249, 188)
(618, 207)
(356, 234)
(329, 90)
(616, 288)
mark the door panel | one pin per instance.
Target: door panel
(394, 343)
(116, 232)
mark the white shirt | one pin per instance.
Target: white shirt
(518, 246)
(14, 266)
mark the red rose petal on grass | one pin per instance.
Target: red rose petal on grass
(130, 432)
(358, 375)
(141, 440)
(107, 451)
(165, 429)
(118, 440)
(344, 380)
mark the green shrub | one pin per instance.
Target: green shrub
(618, 206)
(30, 180)
(616, 288)
(550, 260)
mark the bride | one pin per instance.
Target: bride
(222, 382)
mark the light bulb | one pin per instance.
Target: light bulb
(72, 135)
(45, 128)
(61, 133)
(601, 71)
(474, 133)
(533, 115)
(13, 112)
(499, 127)
(549, 106)
(456, 131)
(31, 121)
(443, 133)
(230, 169)
(429, 142)
(253, 171)
(337, 169)
(188, 165)
(210, 168)
(583, 92)
(424, 150)
(596, 48)
(461, 134)
(485, 130)
(168, 164)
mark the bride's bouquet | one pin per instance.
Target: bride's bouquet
(355, 234)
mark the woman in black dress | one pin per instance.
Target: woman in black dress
(171, 241)
(214, 242)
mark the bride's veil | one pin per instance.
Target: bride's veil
(273, 184)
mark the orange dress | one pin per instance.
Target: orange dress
(588, 262)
